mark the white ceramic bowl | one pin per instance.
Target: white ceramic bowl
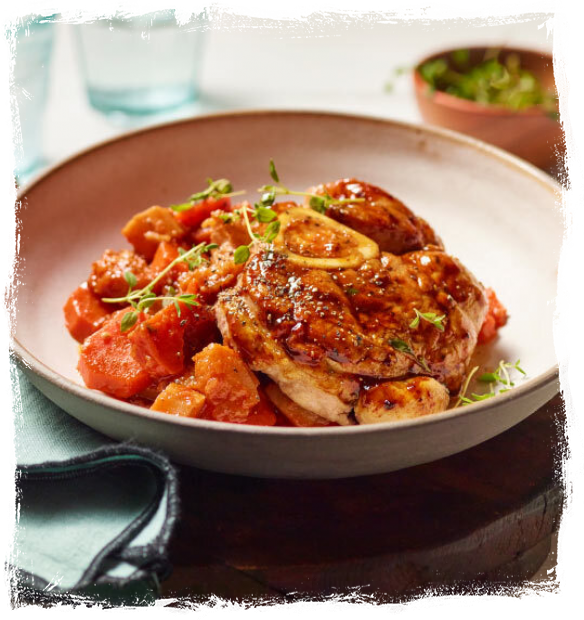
(495, 212)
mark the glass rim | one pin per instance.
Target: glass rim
(19, 24)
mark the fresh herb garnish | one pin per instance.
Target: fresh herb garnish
(430, 317)
(501, 374)
(491, 81)
(317, 203)
(221, 188)
(499, 377)
(264, 215)
(142, 299)
(404, 347)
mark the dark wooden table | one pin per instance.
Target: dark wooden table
(480, 519)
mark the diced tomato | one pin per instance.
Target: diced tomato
(179, 400)
(199, 212)
(106, 362)
(496, 318)
(158, 342)
(84, 313)
(229, 386)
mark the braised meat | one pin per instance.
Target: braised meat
(316, 331)
(381, 217)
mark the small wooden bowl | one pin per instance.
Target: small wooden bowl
(531, 133)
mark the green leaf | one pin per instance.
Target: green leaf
(265, 215)
(318, 204)
(128, 321)
(352, 291)
(489, 377)
(430, 317)
(189, 300)
(185, 206)
(267, 199)
(241, 255)
(400, 345)
(272, 231)
(176, 307)
(130, 278)
(273, 171)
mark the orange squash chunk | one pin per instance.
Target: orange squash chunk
(150, 227)
(179, 400)
(229, 386)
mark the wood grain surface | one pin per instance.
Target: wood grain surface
(482, 519)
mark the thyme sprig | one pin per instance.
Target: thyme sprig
(430, 317)
(143, 299)
(404, 347)
(317, 203)
(262, 213)
(221, 188)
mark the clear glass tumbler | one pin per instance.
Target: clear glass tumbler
(141, 65)
(33, 50)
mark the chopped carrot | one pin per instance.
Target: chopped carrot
(158, 342)
(166, 252)
(179, 400)
(106, 362)
(495, 319)
(84, 313)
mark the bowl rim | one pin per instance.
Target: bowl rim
(542, 381)
(446, 100)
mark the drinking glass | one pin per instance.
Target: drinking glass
(141, 65)
(32, 56)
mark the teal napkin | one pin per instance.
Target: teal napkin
(94, 516)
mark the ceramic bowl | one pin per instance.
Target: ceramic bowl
(493, 211)
(531, 134)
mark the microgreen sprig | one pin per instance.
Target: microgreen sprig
(501, 374)
(142, 299)
(221, 188)
(317, 203)
(430, 317)
(499, 377)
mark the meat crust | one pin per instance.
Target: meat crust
(379, 216)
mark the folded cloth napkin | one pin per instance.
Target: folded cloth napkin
(94, 516)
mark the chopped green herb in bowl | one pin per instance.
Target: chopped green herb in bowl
(493, 80)
(505, 96)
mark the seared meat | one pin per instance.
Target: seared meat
(317, 331)
(315, 387)
(354, 320)
(400, 400)
(381, 217)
